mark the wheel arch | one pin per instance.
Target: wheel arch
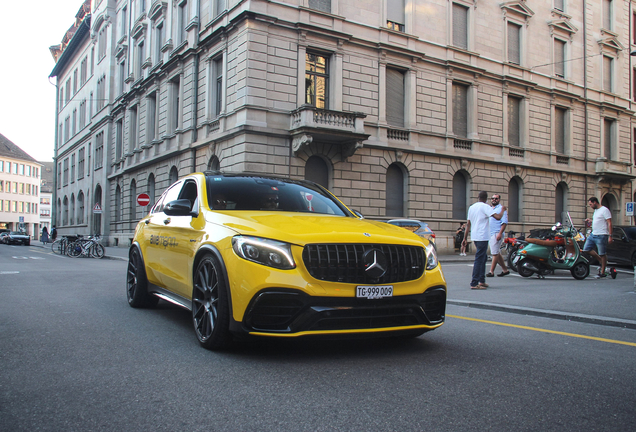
(211, 249)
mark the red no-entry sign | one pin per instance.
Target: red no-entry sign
(143, 199)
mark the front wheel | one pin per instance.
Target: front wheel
(580, 271)
(56, 247)
(512, 254)
(210, 310)
(524, 271)
(97, 251)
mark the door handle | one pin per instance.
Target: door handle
(166, 221)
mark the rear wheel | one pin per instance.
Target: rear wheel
(75, 249)
(524, 271)
(510, 258)
(580, 270)
(136, 282)
(210, 310)
(56, 247)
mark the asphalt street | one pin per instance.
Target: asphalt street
(76, 357)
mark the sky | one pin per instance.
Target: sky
(27, 97)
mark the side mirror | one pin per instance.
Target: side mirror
(180, 207)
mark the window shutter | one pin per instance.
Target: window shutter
(396, 11)
(460, 26)
(559, 58)
(514, 54)
(559, 126)
(460, 110)
(394, 97)
(513, 121)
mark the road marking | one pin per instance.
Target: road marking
(9, 272)
(545, 331)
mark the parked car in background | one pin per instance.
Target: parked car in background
(419, 228)
(17, 237)
(277, 257)
(622, 249)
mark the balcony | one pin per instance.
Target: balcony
(613, 171)
(310, 124)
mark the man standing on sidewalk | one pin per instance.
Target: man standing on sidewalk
(497, 229)
(601, 234)
(478, 225)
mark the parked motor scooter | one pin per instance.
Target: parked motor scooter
(544, 256)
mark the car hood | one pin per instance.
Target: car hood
(302, 228)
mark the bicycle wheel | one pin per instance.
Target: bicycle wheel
(75, 249)
(56, 247)
(97, 251)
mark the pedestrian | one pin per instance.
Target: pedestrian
(497, 230)
(45, 235)
(478, 225)
(601, 234)
(53, 233)
(459, 238)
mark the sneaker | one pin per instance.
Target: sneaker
(600, 276)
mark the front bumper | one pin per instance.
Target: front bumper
(294, 313)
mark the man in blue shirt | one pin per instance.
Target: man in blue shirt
(497, 230)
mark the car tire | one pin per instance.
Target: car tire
(137, 283)
(210, 305)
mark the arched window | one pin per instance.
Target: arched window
(515, 199)
(117, 204)
(72, 212)
(174, 175)
(316, 170)
(97, 217)
(59, 213)
(65, 217)
(151, 189)
(214, 164)
(395, 191)
(80, 207)
(460, 195)
(560, 201)
(133, 200)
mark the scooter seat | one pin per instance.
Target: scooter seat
(546, 243)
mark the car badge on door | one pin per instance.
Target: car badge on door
(367, 234)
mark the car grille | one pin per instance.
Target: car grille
(289, 312)
(343, 262)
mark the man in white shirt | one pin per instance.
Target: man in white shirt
(601, 234)
(478, 225)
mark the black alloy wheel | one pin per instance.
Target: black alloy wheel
(524, 271)
(210, 310)
(580, 271)
(136, 282)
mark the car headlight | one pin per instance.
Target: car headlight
(431, 257)
(264, 251)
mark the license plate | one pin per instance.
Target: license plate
(374, 292)
(516, 259)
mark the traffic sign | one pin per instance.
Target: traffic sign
(143, 199)
(629, 209)
(97, 209)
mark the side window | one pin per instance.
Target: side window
(617, 234)
(169, 195)
(189, 192)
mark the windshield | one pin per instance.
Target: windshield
(244, 192)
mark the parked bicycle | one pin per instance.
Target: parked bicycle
(61, 246)
(86, 247)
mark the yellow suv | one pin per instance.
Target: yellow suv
(272, 256)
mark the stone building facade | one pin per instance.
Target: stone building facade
(402, 108)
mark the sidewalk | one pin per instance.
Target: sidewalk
(606, 302)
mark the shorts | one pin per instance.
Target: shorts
(495, 245)
(600, 241)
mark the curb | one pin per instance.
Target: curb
(590, 319)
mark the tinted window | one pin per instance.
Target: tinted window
(227, 192)
(631, 233)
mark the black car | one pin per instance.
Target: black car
(622, 249)
(17, 237)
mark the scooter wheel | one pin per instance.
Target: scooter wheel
(613, 273)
